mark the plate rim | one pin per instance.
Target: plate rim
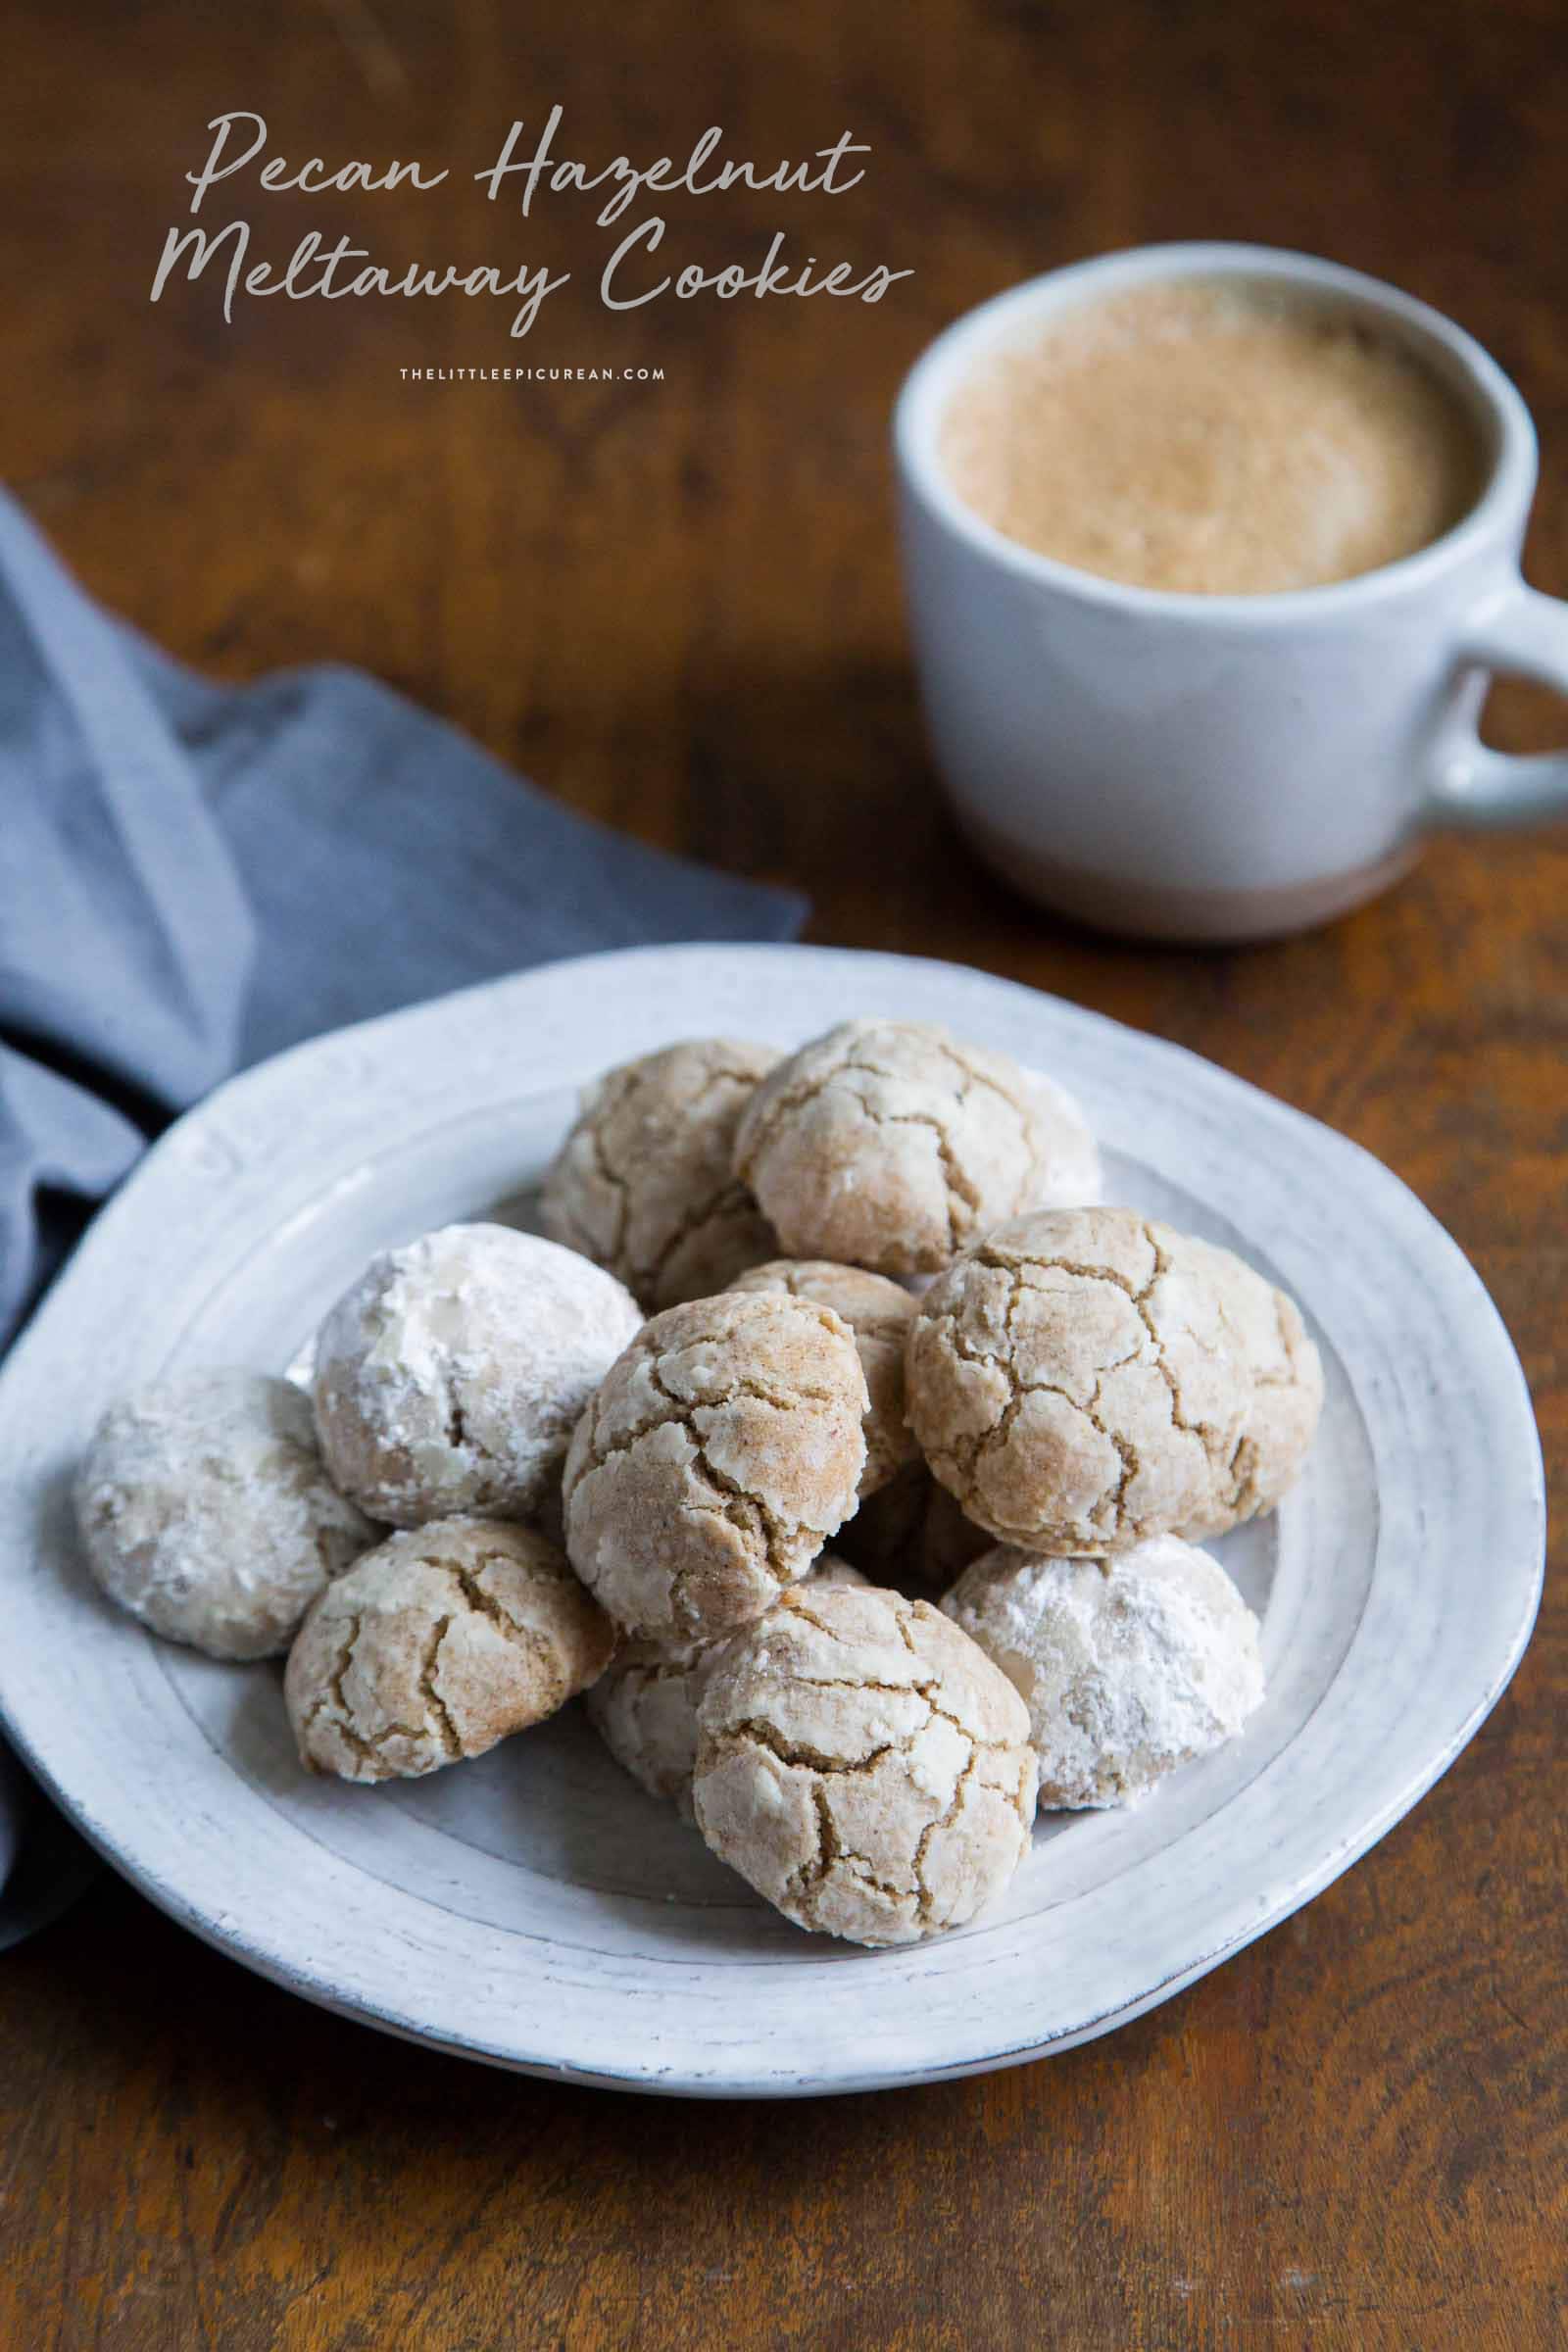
(255, 1083)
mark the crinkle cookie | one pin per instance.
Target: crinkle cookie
(721, 1453)
(879, 1313)
(441, 1641)
(207, 1513)
(1084, 1378)
(645, 1703)
(1129, 1666)
(864, 1766)
(449, 1377)
(891, 1143)
(643, 1184)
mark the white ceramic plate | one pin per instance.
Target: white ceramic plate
(534, 1908)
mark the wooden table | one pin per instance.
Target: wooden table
(675, 605)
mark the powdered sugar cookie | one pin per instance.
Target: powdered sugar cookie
(1129, 1666)
(205, 1511)
(449, 1377)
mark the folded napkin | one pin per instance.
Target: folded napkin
(193, 876)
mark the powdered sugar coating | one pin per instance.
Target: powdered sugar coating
(643, 1183)
(444, 1640)
(645, 1703)
(720, 1453)
(1129, 1666)
(892, 1144)
(205, 1511)
(864, 1766)
(449, 1377)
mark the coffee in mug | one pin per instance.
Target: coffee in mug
(1213, 437)
(1210, 551)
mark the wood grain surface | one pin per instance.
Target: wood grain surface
(676, 606)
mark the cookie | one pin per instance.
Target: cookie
(643, 1183)
(721, 1451)
(1082, 1379)
(205, 1511)
(442, 1640)
(865, 1767)
(449, 1377)
(1129, 1666)
(891, 1143)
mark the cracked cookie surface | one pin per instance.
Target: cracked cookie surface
(1284, 1373)
(1129, 1666)
(644, 1705)
(444, 1640)
(1080, 1380)
(643, 1183)
(718, 1454)
(207, 1512)
(892, 1144)
(449, 1377)
(864, 1766)
(879, 1313)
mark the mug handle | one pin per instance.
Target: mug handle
(1524, 634)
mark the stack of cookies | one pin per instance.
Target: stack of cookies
(887, 1312)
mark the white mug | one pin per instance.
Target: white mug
(1214, 768)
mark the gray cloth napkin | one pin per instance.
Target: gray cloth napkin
(193, 876)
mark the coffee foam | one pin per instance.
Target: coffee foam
(1212, 438)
